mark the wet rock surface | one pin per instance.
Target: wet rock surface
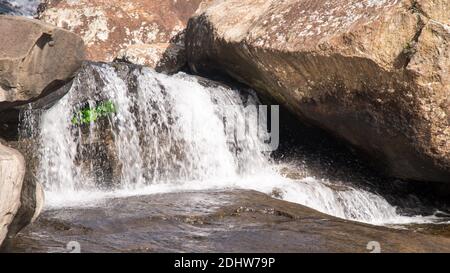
(26, 8)
(97, 152)
(211, 221)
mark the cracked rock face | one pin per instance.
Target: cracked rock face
(132, 30)
(35, 58)
(374, 73)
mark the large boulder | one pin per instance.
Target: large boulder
(374, 73)
(12, 172)
(132, 30)
(163, 57)
(35, 59)
(21, 201)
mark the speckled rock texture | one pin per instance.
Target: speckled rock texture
(374, 73)
(131, 30)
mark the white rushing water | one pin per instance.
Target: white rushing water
(168, 134)
(24, 7)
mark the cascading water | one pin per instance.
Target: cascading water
(169, 133)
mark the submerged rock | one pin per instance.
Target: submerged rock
(35, 59)
(133, 30)
(212, 221)
(374, 73)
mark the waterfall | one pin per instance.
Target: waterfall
(169, 133)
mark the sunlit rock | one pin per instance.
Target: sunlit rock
(137, 31)
(374, 73)
(35, 59)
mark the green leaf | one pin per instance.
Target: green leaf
(88, 115)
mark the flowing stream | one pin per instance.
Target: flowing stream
(171, 134)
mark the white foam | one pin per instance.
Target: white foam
(174, 140)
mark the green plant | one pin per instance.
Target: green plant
(88, 115)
